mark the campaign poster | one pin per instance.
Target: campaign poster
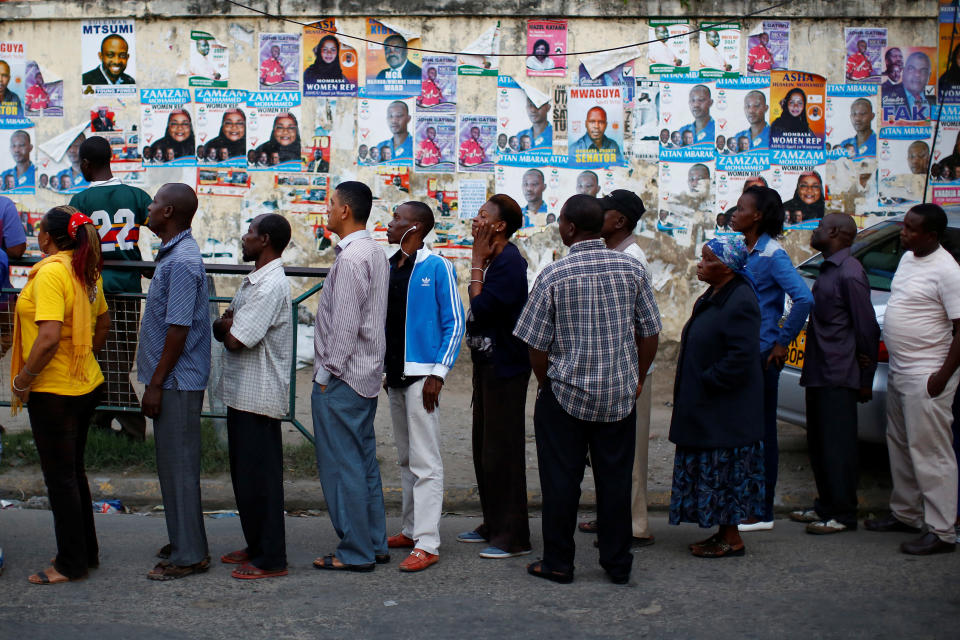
(729, 185)
(478, 142)
(646, 118)
(62, 175)
(304, 193)
(394, 176)
(864, 53)
(669, 49)
(802, 190)
(559, 111)
(129, 152)
(596, 126)
(209, 61)
(798, 106)
(686, 112)
(279, 57)
(221, 127)
(13, 67)
(909, 90)
(331, 67)
(42, 97)
(719, 50)
(438, 86)
(316, 157)
(18, 157)
(273, 131)
(948, 66)
(480, 57)
(546, 48)
(564, 182)
(385, 131)
(393, 69)
(435, 143)
(902, 168)
(686, 192)
(528, 186)
(945, 163)
(851, 167)
(218, 181)
(167, 127)
(108, 57)
(472, 196)
(527, 125)
(768, 47)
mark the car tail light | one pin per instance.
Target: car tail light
(883, 355)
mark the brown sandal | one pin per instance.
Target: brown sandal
(165, 571)
(718, 549)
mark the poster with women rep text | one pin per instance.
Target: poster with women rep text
(166, 126)
(221, 127)
(948, 66)
(797, 117)
(547, 48)
(330, 66)
(273, 131)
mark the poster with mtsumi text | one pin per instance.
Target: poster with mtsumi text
(221, 127)
(331, 67)
(478, 143)
(719, 50)
(768, 47)
(438, 87)
(393, 69)
(279, 56)
(108, 57)
(436, 136)
(13, 63)
(166, 125)
(596, 126)
(273, 131)
(546, 48)
(669, 49)
(864, 49)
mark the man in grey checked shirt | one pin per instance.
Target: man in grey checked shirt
(349, 345)
(584, 311)
(257, 331)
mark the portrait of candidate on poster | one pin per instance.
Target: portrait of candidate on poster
(209, 61)
(768, 47)
(18, 157)
(797, 111)
(596, 126)
(719, 50)
(384, 132)
(166, 123)
(478, 143)
(526, 124)
(221, 127)
(43, 97)
(546, 48)
(438, 86)
(108, 57)
(528, 186)
(13, 64)
(330, 66)
(393, 70)
(864, 53)
(435, 143)
(279, 62)
(273, 131)
(909, 88)
(669, 48)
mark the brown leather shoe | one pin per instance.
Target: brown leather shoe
(887, 524)
(418, 560)
(926, 545)
(400, 541)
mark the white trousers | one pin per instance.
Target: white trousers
(417, 436)
(641, 528)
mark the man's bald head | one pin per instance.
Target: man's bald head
(182, 198)
(846, 227)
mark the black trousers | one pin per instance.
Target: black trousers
(562, 444)
(832, 445)
(499, 457)
(60, 424)
(256, 469)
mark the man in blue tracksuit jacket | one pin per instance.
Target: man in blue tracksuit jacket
(424, 327)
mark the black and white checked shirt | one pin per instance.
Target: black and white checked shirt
(583, 311)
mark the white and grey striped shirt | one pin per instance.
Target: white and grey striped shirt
(348, 338)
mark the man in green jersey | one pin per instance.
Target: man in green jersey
(117, 210)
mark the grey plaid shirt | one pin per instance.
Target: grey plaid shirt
(583, 311)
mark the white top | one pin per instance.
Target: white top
(924, 299)
(257, 379)
(660, 53)
(712, 58)
(536, 65)
(630, 247)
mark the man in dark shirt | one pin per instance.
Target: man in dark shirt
(840, 359)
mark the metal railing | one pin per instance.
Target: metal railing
(119, 400)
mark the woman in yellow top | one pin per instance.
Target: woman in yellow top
(61, 322)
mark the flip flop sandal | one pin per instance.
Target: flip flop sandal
(718, 549)
(43, 578)
(235, 557)
(326, 562)
(250, 572)
(537, 569)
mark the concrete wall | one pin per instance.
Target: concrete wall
(51, 32)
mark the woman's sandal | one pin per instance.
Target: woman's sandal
(327, 562)
(537, 569)
(50, 576)
(718, 549)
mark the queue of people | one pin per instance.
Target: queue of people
(588, 331)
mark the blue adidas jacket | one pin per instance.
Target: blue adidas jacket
(435, 321)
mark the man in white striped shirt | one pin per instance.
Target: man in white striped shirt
(349, 345)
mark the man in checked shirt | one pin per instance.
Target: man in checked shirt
(583, 310)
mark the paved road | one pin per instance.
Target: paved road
(788, 585)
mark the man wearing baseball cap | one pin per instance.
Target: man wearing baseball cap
(621, 213)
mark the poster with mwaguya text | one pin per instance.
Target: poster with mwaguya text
(330, 65)
(221, 127)
(273, 131)
(108, 57)
(596, 126)
(166, 125)
(13, 63)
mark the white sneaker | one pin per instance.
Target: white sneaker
(755, 525)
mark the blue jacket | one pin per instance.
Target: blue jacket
(435, 322)
(774, 276)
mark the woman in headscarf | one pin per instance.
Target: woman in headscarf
(793, 118)
(326, 64)
(284, 140)
(948, 87)
(717, 421)
(60, 324)
(807, 202)
(179, 135)
(233, 134)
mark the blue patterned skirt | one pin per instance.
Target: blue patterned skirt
(717, 486)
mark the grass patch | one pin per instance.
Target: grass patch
(116, 453)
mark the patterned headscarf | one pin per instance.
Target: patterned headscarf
(732, 251)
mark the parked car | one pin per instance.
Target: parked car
(878, 249)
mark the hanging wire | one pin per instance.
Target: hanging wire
(511, 55)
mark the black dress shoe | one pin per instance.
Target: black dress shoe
(926, 545)
(890, 523)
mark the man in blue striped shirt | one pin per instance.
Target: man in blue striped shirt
(174, 364)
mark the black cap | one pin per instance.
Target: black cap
(626, 202)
